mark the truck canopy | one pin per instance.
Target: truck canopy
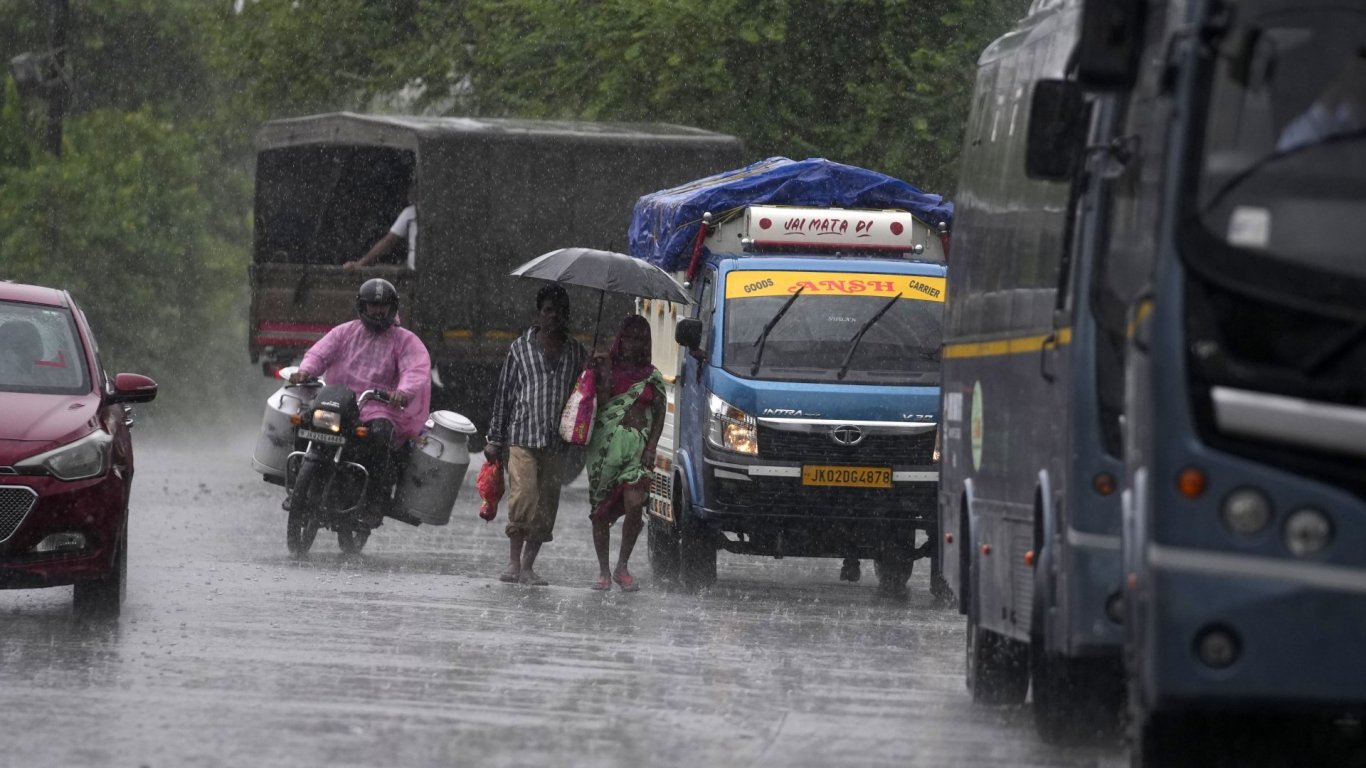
(664, 224)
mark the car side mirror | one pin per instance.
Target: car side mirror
(133, 388)
(1057, 130)
(1111, 41)
(688, 332)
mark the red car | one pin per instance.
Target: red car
(66, 459)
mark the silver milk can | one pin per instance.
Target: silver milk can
(436, 468)
(276, 440)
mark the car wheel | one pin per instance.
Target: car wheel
(301, 526)
(103, 598)
(696, 545)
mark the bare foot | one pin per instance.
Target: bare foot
(511, 575)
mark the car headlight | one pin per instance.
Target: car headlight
(327, 420)
(730, 428)
(84, 458)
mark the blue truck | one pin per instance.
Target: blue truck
(803, 380)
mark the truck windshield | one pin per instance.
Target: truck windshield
(1284, 117)
(813, 340)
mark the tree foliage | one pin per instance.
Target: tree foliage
(121, 220)
(145, 216)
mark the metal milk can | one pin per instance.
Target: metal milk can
(276, 440)
(436, 468)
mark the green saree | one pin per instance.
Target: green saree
(614, 450)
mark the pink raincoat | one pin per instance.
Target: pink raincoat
(395, 360)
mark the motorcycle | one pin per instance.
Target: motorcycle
(325, 488)
(310, 437)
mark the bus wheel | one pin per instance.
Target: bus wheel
(997, 667)
(1075, 700)
(1179, 740)
(696, 545)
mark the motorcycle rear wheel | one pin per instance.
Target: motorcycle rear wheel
(352, 542)
(301, 526)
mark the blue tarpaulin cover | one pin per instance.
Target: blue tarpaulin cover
(664, 224)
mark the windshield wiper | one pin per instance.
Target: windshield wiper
(853, 343)
(1241, 176)
(763, 335)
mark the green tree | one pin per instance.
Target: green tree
(122, 220)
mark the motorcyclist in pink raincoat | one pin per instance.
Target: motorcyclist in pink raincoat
(375, 352)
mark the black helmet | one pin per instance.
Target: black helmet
(377, 291)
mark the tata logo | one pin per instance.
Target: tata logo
(846, 434)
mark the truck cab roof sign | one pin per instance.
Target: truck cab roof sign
(769, 226)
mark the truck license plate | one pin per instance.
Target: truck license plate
(321, 437)
(849, 477)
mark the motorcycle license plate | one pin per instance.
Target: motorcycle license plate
(847, 477)
(321, 437)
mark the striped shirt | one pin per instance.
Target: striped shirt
(532, 391)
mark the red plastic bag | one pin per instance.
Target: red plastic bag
(490, 485)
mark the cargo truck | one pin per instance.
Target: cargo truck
(489, 195)
(803, 381)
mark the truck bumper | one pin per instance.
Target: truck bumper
(770, 511)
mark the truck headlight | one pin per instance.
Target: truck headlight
(730, 428)
(85, 458)
(326, 420)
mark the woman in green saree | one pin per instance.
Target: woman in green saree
(621, 450)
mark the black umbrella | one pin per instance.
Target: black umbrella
(605, 271)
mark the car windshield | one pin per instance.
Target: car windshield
(39, 351)
(814, 336)
(1281, 160)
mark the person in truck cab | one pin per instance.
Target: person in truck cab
(375, 352)
(404, 229)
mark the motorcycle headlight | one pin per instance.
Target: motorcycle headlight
(730, 428)
(327, 420)
(85, 458)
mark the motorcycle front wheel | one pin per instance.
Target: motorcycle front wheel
(301, 526)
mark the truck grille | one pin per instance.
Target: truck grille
(15, 504)
(786, 496)
(818, 448)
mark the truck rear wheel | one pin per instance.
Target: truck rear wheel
(696, 545)
(893, 571)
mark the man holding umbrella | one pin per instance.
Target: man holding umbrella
(536, 380)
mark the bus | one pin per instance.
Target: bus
(1234, 248)
(1033, 387)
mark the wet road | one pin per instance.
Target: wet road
(230, 652)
